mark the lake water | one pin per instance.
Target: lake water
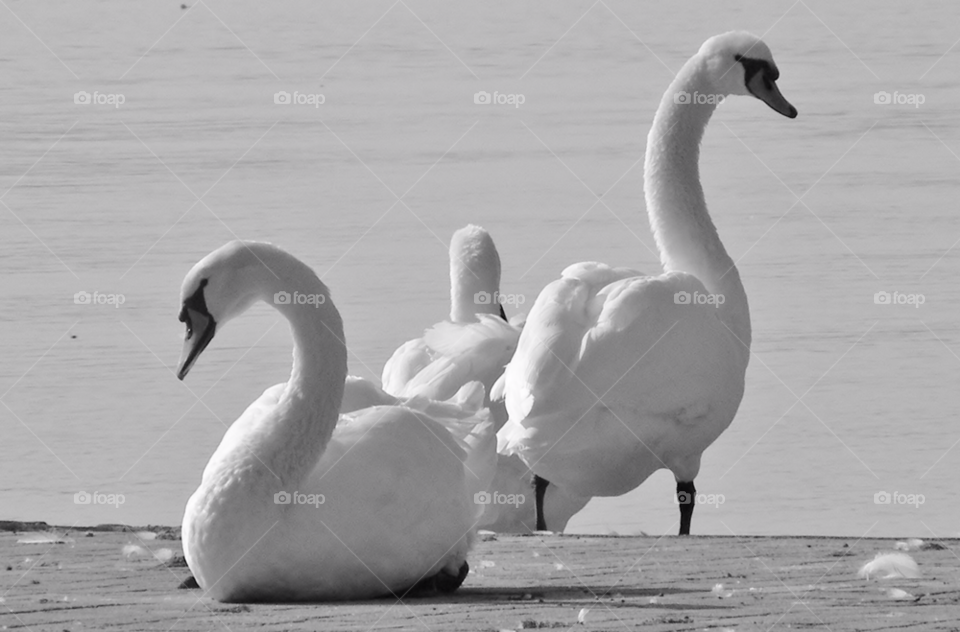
(845, 398)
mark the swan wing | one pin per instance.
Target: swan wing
(405, 363)
(621, 375)
(549, 348)
(239, 430)
(359, 393)
(462, 353)
(441, 426)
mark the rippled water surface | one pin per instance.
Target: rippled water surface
(845, 398)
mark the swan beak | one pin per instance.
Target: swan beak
(765, 89)
(200, 330)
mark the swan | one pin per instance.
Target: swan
(617, 374)
(474, 344)
(298, 503)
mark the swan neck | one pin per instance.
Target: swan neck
(474, 284)
(291, 438)
(685, 234)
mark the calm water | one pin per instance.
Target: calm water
(845, 398)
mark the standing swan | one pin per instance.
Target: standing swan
(617, 374)
(294, 506)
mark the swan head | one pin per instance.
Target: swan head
(223, 285)
(474, 274)
(741, 63)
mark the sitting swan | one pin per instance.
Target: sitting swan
(295, 506)
(617, 374)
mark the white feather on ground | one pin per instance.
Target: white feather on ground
(900, 595)
(134, 550)
(913, 544)
(43, 538)
(888, 565)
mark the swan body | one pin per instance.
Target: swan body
(299, 503)
(618, 374)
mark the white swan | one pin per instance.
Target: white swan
(618, 374)
(294, 505)
(475, 344)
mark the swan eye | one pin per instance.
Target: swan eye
(185, 318)
(197, 303)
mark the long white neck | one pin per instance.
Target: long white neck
(685, 235)
(474, 275)
(290, 439)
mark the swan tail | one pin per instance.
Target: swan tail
(479, 441)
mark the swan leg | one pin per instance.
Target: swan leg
(687, 498)
(540, 488)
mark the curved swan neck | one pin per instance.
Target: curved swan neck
(474, 275)
(291, 437)
(686, 236)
